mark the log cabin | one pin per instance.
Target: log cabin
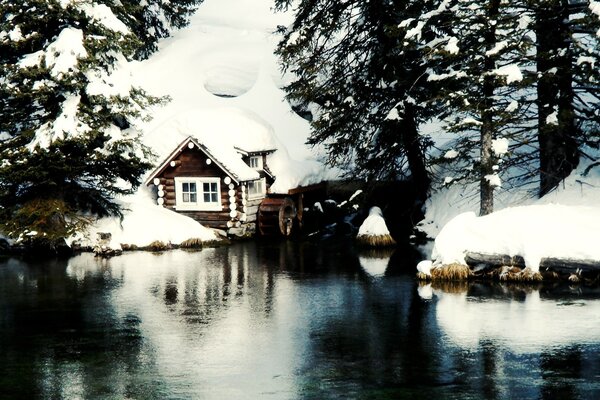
(220, 186)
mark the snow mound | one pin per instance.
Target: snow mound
(533, 232)
(374, 224)
(145, 222)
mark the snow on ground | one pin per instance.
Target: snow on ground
(563, 224)
(144, 223)
(223, 79)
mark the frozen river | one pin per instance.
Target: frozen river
(286, 321)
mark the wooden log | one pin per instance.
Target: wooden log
(556, 264)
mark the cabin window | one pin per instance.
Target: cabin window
(198, 194)
(256, 188)
(256, 162)
(188, 192)
(211, 192)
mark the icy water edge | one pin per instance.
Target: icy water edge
(286, 321)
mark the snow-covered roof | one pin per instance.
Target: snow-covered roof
(223, 134)
(228, 159)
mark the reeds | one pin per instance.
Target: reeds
(451, 272)
(192, 243)
(375, 240)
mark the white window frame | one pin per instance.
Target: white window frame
(200, 204)
(260, 194)
(259, 162)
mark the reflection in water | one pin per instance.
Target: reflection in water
(285, 321)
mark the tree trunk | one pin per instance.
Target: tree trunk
(411, 141)
(487, 117)
(556, 123)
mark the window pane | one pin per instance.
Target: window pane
(213, 197)
(192, 187)
(186, 187)
(206, 187)
(193, 197)
(213, 187)
(207, 197)
(186, 197)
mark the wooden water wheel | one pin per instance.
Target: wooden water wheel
(276, 216)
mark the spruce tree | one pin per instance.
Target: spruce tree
(361, 86)
(68, 138)
(476, 56)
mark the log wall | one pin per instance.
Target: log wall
(193, 163)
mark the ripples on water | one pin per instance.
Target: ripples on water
(286, 321)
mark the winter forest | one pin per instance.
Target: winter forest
(512, 86)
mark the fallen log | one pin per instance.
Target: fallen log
(555, 264)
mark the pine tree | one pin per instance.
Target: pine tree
(68, 142)
(361, 86)
(476, 55)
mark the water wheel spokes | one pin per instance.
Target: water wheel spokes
(276, 216)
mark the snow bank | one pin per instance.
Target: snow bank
(144, 223)
(563, 224)
(533, 232)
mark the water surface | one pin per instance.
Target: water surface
(286, 321)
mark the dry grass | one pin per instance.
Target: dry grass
(451, 272)
(128, 247)
(423, 277)
(192, 243)
(509, 274)
(375, 240)
(158, 245)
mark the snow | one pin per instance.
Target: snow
(219, 130)
(595, 7)
(225, 87)
(500, 146)
(497, 48)
(374, 224)
(67, 123)
(62, 55)
(228, 51)
(512, 73)
(103, 14)
(562, 224)
(452, 46)
(451, 154)
(494, 180)
(144, 223)
(512, 106)
(533, 232)
(552, 119)
(393, 115)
